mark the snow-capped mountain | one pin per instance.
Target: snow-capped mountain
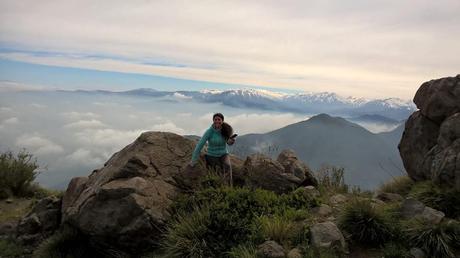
(307, 102)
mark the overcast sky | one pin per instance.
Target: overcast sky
(362, 48)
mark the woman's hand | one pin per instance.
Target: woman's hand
(231, 141)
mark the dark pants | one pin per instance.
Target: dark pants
(222, 163)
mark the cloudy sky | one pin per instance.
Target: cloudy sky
(382, 48)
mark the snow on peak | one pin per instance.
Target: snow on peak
(211, 91)
(257, 93)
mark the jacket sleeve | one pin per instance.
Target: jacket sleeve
(199, 146)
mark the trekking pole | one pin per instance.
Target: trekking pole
(231, 178)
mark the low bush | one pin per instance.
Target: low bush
(366, 224)
(234, 212)
(243, 251)
(331, 180)
(17, 172)
(437, 240)
(277, 228)
(187, 235)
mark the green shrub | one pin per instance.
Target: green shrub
(243, 251)
(367, 224)
(446, 200)
(214, 177)
(299, 199)
(70, 243)
(394, 250)
(399, 185)
(8, 248)
(187, 236)
(437, 240)
(278, 228)
(331, 180)
(233, 213)
(17, 172)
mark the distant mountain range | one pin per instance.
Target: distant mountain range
(306, 103)
(369, 159)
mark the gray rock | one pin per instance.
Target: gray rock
(338, 199)
(411, 207)
(291, 163)
(125, 203)
(439, 99)
(29, 225)
(419, 137)
(327, 235)
(311, 191)
(41, 222)
(8, 229)
(389, 197)
(263, 172)
(294, 253)
(430, 145)
(431, 215)
(323, 210)
(270, 249)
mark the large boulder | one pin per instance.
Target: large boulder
(263, 172)
(430, 145)
(281, 175)
(412, 208)
(327, 235)
(439, 99)
(291, 163)
(125, 203)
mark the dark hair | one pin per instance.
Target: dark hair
(219, 115)
(226, 131)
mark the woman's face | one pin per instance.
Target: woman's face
(217, 122)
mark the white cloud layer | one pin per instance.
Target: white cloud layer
(83, 124)
(360, 48)
(38, 145)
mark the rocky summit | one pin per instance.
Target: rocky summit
(430, 145)
(125, 203)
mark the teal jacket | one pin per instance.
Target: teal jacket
(217, 146)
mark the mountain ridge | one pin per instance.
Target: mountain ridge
(368, 158)
(304, 103)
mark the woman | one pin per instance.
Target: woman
(218, 135)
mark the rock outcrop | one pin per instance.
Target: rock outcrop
(292, 165)
(40, 222)
(430, 145)
(260, 171)
(126, 202)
